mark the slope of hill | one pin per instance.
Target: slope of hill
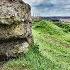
(50, 52)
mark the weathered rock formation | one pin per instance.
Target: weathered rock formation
(15, 27)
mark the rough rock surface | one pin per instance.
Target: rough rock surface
(15, 27)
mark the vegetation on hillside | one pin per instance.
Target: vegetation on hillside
(51, 49)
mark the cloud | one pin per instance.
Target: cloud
(33, 2)
(50, 7)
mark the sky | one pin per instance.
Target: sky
(49, 7)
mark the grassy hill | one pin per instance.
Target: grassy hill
(51, 50)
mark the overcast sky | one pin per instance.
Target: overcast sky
(50, 7)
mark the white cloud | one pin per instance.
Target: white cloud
(33, 1)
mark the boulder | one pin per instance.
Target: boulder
(15, 27)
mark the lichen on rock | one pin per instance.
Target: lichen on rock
(15, 27)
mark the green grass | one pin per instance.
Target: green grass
(51, 50)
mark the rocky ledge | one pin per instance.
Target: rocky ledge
(15, 27)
